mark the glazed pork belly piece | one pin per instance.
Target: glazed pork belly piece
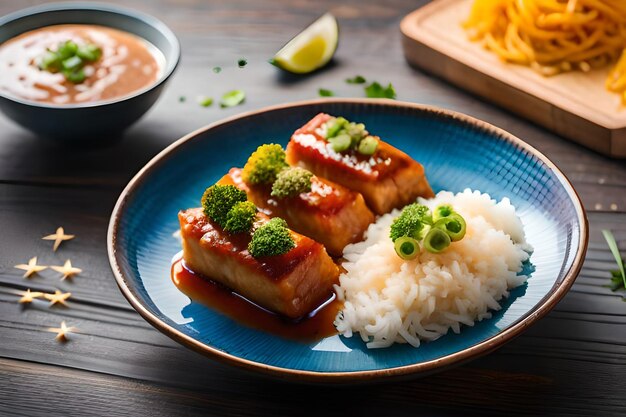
(292, 284)
(387, 178)
(329, 213)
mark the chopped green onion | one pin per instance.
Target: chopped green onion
(368, 145)
(436, 240)
(50, 62)
(454, 225)
(67, 49)
(334, 129)
(406, 247)
(72, 63)
(76, 76)
(232, 98)
(356, 130)
(242, 63)
(325, 93)
(340, 143)
(89, 52)
(205, 101)
(358, 79)
(610, 240)
(70, 59)
(441, 211)
(182, 99)
(217, 70)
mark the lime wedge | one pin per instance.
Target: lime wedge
(310, 49)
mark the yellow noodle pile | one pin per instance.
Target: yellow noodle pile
(553, 36)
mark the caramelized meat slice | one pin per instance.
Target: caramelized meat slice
(292, 284)
(387, 179)
(330, 213)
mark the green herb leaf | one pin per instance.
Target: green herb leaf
(325, 93)
(205, 101)
(217, 70)
(375, 90)
(242, 62)
(358, 79)
(182, 99)
(232, 98)
(610, 240)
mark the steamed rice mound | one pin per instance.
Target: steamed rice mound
(389, 300)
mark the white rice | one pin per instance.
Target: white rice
(389, 300)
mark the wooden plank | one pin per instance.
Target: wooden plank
(537, 370)
(571, 363)
(433, 40)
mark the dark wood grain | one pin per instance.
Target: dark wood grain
(573, 362)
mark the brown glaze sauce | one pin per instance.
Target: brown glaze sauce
(128, 63)
(273, 267)
(325, 198)
(317, 325)
(308, 143)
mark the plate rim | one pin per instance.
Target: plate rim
(486, 346)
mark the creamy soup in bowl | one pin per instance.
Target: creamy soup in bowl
(77, 63)
(82, 73)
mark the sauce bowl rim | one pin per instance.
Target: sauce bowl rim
(170, 36)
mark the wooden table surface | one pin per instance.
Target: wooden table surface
(571, 362)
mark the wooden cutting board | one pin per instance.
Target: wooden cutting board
(575, 105)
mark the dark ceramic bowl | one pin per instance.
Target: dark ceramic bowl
(97, 121)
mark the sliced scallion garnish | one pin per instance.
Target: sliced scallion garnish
(70, 59)
(205, 101)
(367, 146)
(454, 225)
(72, 63)
(340, 143)
(441, 211)
(75, 76)
(89, 52)
(436, 240)
(406, 247)
(232, 98)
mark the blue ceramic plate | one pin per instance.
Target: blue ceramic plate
(457, 152)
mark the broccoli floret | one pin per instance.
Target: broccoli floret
(264, 164)
(410, 222)
(217, 201)
(241, 217)
(271, 239)
(291, 182)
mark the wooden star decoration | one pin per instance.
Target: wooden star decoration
(58, 297)
(62, 332)
(30, 268)
(58, 237)
(28, 296)
(67, 270)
